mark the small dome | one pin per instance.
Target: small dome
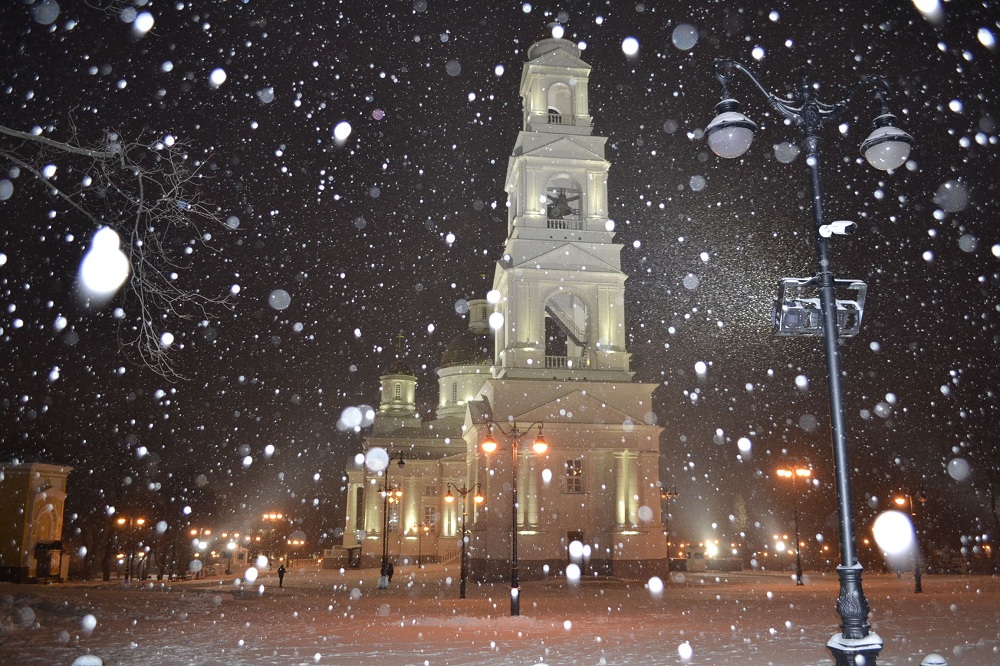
(401, 367)
(544, 46)
(468, 348)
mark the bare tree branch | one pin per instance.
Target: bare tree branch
(146, 192)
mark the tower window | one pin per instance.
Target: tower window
(560, 99)
(563, 203)
(454, 393)
(397, 391)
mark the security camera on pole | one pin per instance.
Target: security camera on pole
(887, 148)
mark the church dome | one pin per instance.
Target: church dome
(468, 348)
(474, 346)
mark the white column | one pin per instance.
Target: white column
(523, 467)
(621, 489)
(373, 509)
(649, 492)
(633, 489)
(532, 498)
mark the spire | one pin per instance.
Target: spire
(399, 385)
(400, 366)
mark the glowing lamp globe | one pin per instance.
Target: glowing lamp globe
(730, 133)
(887, 147)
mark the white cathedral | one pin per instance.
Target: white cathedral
(544, 356)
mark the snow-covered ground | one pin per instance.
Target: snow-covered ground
(329, 617)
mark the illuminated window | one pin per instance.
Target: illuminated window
(574, 475)
(397, 391)
(430, 515)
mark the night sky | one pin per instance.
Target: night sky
(357, 234)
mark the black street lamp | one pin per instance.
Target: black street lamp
(796, 473)
(390, 495)
(667, 494)
(907, 501)
(888, 147)
(422, 529)
(539, 446)
(478, 499)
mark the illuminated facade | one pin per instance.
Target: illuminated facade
(557, 363)
(32, 497)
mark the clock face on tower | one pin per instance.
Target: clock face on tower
(559, 207)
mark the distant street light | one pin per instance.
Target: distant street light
(390, 495)
(667, 494)
(539, 446)
(781, 547)
(796, 473)
(478, 499)
(269, 531)
(906, 500)
(130, 525)
(888, 147)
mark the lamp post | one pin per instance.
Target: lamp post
(199, 544)
(478, 499)
(539, 446)
(667, 494)
(390, 495)
(420, 544)
(781, 547)
(269, 530)
(796, 473)
(888, 147)
(906, 500)
(131, 524)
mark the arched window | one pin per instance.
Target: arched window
(454, 393)
(563, 203)
(397, 391)
(565, 331)
(560, 102)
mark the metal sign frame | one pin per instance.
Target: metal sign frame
(797, 310)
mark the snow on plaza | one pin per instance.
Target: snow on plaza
(332, 617)
(328, 283)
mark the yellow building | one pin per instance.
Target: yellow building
(32, 497)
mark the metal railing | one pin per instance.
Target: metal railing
(566, 362)
(567, 225)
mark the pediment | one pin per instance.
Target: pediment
(559, 58)
(578, 407)
(563, 147)
(567, 257)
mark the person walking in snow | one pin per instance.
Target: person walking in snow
(389, 570)
(281, 576)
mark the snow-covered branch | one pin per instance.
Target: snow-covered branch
(148, 193)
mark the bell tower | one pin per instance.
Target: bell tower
(560, 285)
(560, 362)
